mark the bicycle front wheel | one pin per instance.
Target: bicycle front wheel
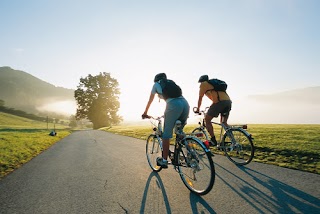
(200, 133)
(153, 151)
(195, 166)
(238, 146)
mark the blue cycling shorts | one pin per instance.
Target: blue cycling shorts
(176, 109)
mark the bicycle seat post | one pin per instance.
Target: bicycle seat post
(178, 130)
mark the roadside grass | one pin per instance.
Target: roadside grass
(290, 146)
(22, 139)
(285, 145)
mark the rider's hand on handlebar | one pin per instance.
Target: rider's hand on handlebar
(144, 116)
(196, 110)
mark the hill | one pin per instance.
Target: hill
(12, 121)
(310, 95)
(23, 91)
(299, 106)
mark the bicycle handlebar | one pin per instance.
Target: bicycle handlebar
(200, 112)
(145, 116)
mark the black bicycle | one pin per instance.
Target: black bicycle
(235, 141)
(190, 158)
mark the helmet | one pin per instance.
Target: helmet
(160, 76)
(203, 78)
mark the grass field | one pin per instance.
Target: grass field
(291, 146)
(22, 139)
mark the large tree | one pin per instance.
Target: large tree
(98, 100)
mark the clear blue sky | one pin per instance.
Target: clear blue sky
(257, 46)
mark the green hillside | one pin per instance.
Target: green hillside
(22, 139)
(23, 91)
(9, 121)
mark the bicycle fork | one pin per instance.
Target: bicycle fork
(157, 147)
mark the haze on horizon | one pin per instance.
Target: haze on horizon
(257, 47)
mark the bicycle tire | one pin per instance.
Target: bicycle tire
(200, 134)
(195, 166)
(242, 152)
(153, 150)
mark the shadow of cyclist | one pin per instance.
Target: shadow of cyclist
(151, 196)
(199, 205)
(267, 194)
(155, 194)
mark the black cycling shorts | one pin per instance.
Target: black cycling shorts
(223, 106)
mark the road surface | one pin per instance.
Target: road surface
(98, 172)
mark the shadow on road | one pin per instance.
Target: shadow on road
(158, 181)
(267, 194)
(196, 201)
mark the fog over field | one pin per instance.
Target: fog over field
(266, 51)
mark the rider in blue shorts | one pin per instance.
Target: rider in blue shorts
(177, 108)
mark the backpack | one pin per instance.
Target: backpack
(218, 85)
(170, 89)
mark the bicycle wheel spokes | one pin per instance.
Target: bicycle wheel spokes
(196, 167)
(238, 146)
(153, 150)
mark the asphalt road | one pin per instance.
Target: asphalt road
(99, 172)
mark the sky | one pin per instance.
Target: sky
(256, 46)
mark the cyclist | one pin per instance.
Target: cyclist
(221, 104)
(177, 108)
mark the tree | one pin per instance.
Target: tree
(98, 100)
(73, 121)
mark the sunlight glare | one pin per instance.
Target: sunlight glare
(66, 107)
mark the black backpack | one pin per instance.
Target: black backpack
(218, 85)
(170, 89)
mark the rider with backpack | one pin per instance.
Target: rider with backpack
(177, 108)
(215, 90)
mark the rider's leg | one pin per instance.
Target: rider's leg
(209, 128)
(212, 112)
(224, 119)
(226, 111)
(175, 109)
(165, 144)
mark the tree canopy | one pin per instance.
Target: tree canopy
(98, 100)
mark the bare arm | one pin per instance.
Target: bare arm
(149, 103)
(199, 102)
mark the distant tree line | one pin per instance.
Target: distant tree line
(22, 113)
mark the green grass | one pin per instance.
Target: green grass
(22, 139)
(290, 146)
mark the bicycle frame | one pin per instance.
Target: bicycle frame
(179, 140)
(223, 127)
(234, 140)
(190, 158)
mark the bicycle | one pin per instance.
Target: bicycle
(190, 157)
(235, 141)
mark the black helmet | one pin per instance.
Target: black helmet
(160, 76)
(203, 78)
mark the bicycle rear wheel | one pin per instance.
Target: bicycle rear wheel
(153, 150)
(195, 166)
(238, 146)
